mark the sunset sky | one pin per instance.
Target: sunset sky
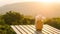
(4, 2)
(46, 7)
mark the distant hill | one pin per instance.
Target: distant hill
(26, 8)
(32, 8)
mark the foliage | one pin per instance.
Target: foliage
(55, 22)
(28, 21)
(11, 17)
(14, 18)
(6, 29)
(1, 21)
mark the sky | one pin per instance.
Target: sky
(49, 7)
(4, 2)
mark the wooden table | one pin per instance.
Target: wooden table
(30, 29)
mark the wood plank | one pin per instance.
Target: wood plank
(30, 29)
(25, 29)
(44, 31)
(20, 29)
(35, 32)
(47, 29)
(53, 29)
(17, 32)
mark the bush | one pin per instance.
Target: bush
(14, 18)
(27, 21)
(55, 22)
(6, 29)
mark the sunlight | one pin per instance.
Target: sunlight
(47, 0)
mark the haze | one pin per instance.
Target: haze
(47, 9)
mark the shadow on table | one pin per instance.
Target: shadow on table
(38, 32)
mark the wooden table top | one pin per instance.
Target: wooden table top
(30, 29)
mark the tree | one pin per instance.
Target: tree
(12, 17)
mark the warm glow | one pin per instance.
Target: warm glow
(44, 0)
(44, 7)
(3, 2)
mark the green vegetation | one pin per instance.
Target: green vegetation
(6, 29)
(55, 22)
(14, 18)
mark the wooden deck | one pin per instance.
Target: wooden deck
(30, 29)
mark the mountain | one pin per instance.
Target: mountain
(33, 8)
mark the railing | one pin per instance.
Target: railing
(30, 29)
